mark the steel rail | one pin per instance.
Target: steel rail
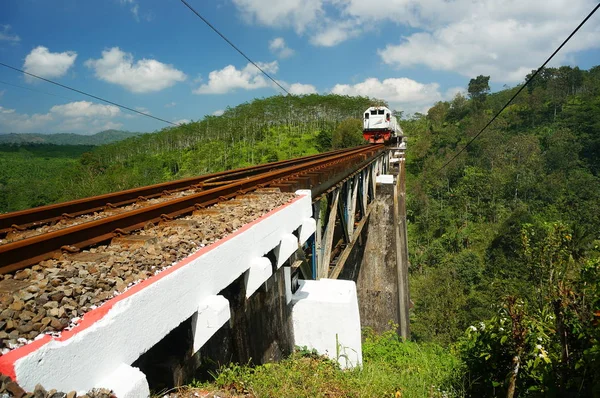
(37, 216)
(26, 252)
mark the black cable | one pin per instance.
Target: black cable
(37, 91)
(233, 45)
(89, 95)
(522, 88)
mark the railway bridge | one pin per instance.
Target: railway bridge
(139, 289)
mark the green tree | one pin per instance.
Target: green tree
(478, 89)
(348, 134)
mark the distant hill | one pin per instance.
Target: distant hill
(101, 138)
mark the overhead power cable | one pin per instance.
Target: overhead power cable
(234, 46)
(87, 94)
(34, 90)
(521, 88)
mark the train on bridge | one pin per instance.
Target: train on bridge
(380, 126)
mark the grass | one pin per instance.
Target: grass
(391, 368)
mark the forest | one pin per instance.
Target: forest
(503, 240)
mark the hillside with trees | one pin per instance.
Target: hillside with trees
(101, 138)
(504, 239)
(262, 131)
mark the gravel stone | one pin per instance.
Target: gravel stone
(45, 297)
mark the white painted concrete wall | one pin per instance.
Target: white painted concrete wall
(98, 352)
(385, 179)
(326, 318)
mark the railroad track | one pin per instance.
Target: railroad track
(319, 173)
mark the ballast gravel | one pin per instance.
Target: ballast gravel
(10, 389)
(54, 294)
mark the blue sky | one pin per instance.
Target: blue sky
(158, 57)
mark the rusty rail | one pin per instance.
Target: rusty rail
(320, 171)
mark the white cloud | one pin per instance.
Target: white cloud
(182, 121)
(401, 93)
(80, 117)
(230, 78)
(85, 109)
(143, 76)
(13, 122)
(6, 111)
(281, 13)
(300, 89)
(335, 32)
(495, 39)
(218, 112)
(5, 34)
(135, 11)
(40, 61)
(452, 91)
(170, 104)
(143, 110)
(279, 48)
(504, 39)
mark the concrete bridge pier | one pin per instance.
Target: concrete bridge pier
(369, 214)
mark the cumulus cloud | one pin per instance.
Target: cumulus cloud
(282, 13)
(218, 112)
(497, 40)
(40, 61)
(85, 109)
(79, 116)
(279, 48)
(505, 39)
(300, 89)
(170, 104)
(5, 35)
(14, 122)
(230, 78)
(143, 76)
(401, 93)
(334, 33)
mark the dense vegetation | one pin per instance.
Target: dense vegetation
(504, 240)
(33, 174)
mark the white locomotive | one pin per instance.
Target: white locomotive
(380, 126)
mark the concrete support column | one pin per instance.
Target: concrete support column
(402, 251)
(326, 317)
